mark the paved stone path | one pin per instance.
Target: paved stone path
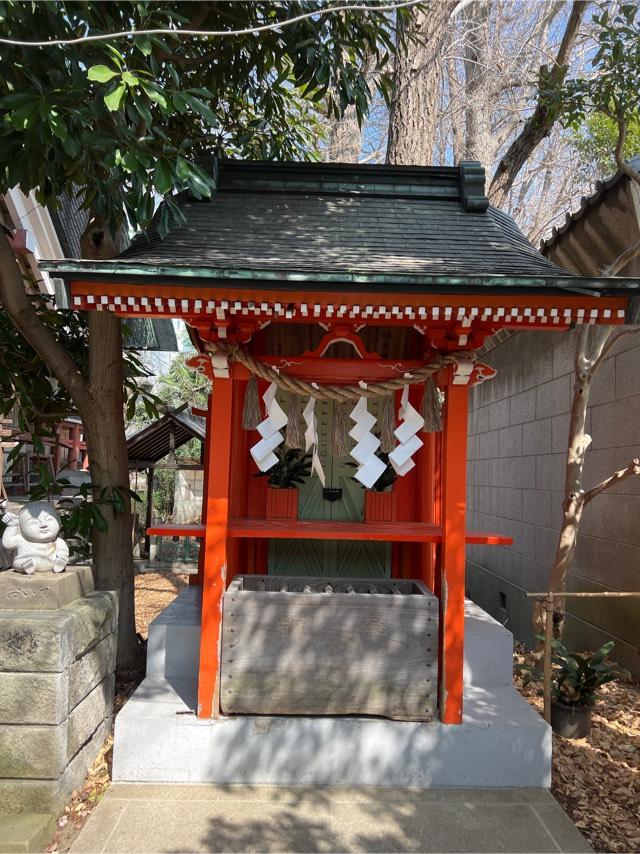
(203, 818)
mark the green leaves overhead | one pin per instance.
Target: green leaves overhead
(119, 124)
(101, 73)
(612, 88)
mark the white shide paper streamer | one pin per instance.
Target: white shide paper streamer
(311, 438)
(269, 429)
(370, 467)
(411, 421)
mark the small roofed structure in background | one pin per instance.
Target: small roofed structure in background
(153, 448)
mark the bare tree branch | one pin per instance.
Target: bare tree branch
(611, 343)
(539, 124)
(622, 260)
(617, 477)
(16, 303)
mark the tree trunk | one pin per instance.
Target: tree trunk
(414, 111)
(479, 144)
(99, 400)
(590, 342)
(108, 458)
(103, 422)
(345, 139)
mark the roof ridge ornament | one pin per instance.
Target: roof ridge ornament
(472, 184)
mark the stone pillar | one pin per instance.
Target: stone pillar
(57, 661)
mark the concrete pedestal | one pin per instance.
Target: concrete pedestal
(56, 686)
(158, 738)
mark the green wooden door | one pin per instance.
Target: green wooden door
(346, 558)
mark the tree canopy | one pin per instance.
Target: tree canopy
(119, 122)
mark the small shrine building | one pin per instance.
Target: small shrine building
(353, 295)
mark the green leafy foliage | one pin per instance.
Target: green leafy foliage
(595, 140)
(39, 400)
(612, 87)
(576, 678)
(292, 468)
(121, 122)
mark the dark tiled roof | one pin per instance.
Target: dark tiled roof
(153, 442)
(319, 218)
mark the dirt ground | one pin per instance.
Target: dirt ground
(596, 779)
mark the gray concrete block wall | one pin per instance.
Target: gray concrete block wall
(518, 427)
(56, 699)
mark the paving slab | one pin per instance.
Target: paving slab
(158, 819)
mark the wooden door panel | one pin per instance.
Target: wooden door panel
(352, 559)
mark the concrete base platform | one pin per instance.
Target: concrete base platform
(158, 738)
(169, 818)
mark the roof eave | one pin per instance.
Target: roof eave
(118, 272)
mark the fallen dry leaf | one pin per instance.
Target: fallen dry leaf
(597, 779)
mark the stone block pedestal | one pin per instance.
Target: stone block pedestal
(57, 661)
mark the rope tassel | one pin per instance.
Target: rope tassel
(339, 433)
(386, 424)
(251, 414)
(431, 409)
(294, 437)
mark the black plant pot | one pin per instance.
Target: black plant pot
(570, 721)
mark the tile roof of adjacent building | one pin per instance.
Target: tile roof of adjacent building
(587, 202)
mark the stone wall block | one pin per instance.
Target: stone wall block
(522, 407)
(86, 672)
(603, 385)
(553, 398)
(49, 641)
(34, 698)
(488, 445)
(537, 437)
(510, 441)
(43, 752)
(42, 795)
(90, 713)
(56, 698)
(616, 424)
(33, 752)
(627, 373)
(95, 617)
(499, 414)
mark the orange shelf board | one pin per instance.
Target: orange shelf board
(398, 532)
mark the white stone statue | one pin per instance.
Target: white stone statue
(33, 533)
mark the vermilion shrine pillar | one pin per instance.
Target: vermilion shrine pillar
(452, 563)
(214, 546)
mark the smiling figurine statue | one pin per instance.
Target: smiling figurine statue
(33, 533)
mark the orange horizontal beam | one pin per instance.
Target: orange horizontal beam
(399, 532)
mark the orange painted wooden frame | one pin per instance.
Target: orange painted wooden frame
(216, 513)
(532, 298)
(278, 529)
(452, 552)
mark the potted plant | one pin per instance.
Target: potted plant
(380, 502)
(575, 682)
(293, 467)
